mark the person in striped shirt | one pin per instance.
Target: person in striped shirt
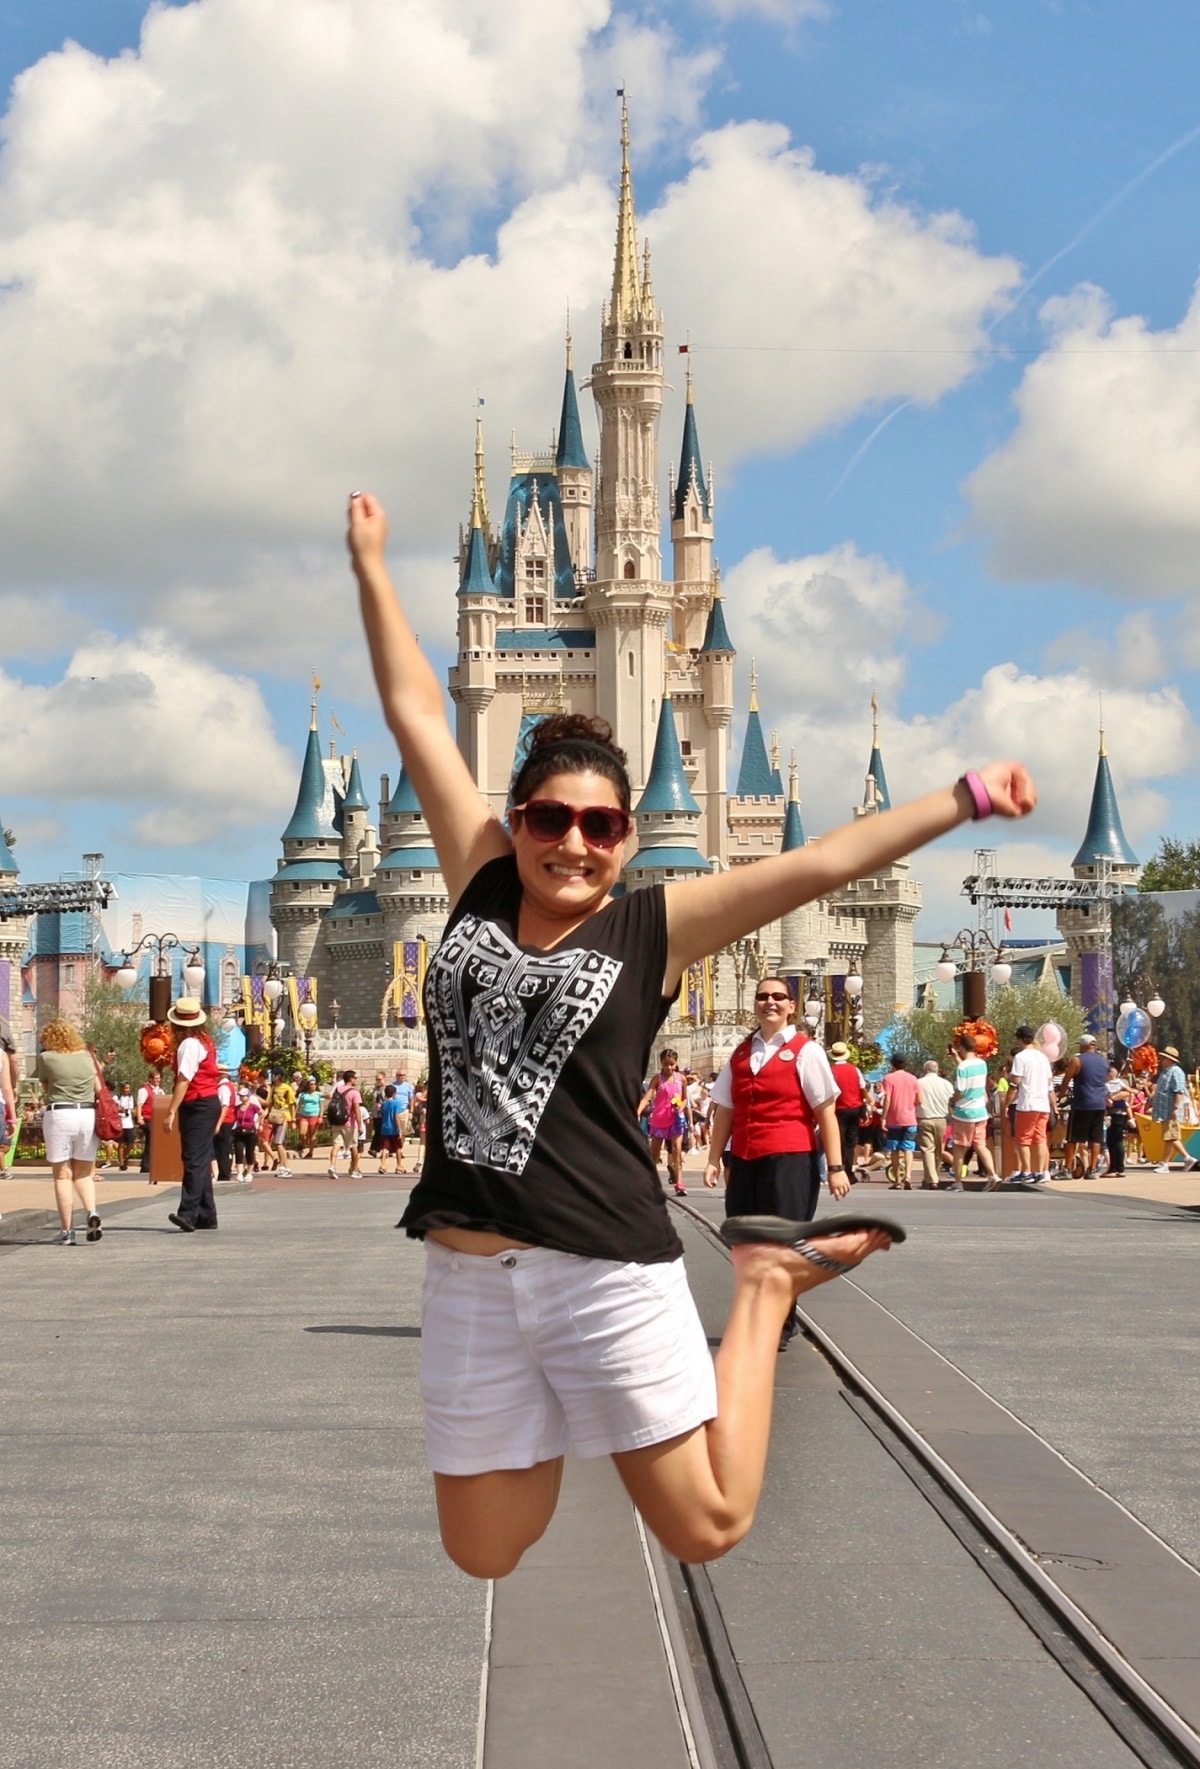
(969, 1114)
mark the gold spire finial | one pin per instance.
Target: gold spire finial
(753, 686)
(570, 346)
(874, 723)
(1103, 745)
(626, 291)
(316, 689)
(688, 351)
(775, 751)
(793, 781)
(479, 504)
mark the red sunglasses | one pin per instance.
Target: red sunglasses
(548, 820)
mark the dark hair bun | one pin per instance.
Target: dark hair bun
(574, 728)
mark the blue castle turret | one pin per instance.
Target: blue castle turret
(311, 871)
(668, 817)
(1104, 838)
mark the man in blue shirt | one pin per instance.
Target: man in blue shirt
(1171, 1107)
(404, 1099)
(1088, 1074)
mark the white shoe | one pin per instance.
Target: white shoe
(1160, 1167)
(1190, 1163)
(332, 1172)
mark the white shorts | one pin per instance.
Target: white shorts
(530, 1353)
(69, 1133)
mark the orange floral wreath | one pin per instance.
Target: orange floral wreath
(1144, 1060)
(158, 1045)
(987, 1043)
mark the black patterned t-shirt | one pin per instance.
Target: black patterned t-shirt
(536, 1068)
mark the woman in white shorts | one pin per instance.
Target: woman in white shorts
(68, 1076)
(557, 1311)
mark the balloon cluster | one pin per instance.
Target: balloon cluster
(1051, 1039)
(1134, 1027)
(987, 1041)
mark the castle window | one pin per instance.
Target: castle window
(535, 610)
(631, 663)
(685, 748)
(629, 352)
(630, 568)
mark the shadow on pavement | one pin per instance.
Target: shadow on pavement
(374, 1332)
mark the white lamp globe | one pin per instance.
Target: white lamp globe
(126, 977)
(1156, 1006)
(1001, 973)
(280, 1023)
(193, 973)
(308, 1015)
(812, 1010)
(1128, 1005)
(272, 988)
(854, 984)
(946, 970)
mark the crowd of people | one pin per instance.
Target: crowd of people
(1035, 1120)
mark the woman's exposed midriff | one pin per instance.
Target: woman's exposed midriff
(479, 1241)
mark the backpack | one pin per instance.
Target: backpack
(337, 1112)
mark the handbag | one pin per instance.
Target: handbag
(108, 1112)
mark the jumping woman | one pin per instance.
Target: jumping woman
(557, 1313)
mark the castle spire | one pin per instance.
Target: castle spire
(716, 633)
(355, 799)
(479, 505)
(756, 777)
(309, 820)
(1104, 838)
(876, 795)
(476, 577)
(570, 451)
(793, 827)
(691, 467)
(626, 289)
(667, 788)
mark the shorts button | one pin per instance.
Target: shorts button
(508, 1261)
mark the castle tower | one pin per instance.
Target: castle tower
(1103, 853)
(311, 871)
(668, 817)
(692, 534)
(473, 680)
(756, 808)
(355, 811)
(715, 669)
(628, 605)
(886, 904)
(574, 474)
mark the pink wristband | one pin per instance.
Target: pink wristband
(979, 796)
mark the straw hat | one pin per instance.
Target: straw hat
(1170, 1050)
(187, 1012)
(839, 1049)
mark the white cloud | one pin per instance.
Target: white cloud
(1097, 483)
(186, 750)
(828, 629)
(829, 300)
(276, 252)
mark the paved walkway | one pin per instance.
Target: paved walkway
(217, 1539)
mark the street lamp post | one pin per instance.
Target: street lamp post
(308, 1025)
(160, 979)
(976, 946)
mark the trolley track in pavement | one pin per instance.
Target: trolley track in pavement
(1155, 1732)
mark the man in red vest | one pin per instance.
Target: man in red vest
(777, 1098)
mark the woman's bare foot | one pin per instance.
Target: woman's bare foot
(759, 1261)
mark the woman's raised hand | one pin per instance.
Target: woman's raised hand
(366, 536)
(1010, 788)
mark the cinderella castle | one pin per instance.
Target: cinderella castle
(565, 606)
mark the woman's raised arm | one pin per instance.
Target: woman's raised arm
(465, 830)
(707, 913)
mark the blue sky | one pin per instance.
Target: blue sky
(272, 250)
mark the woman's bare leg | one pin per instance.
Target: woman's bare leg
(83, 1176)
(489, 1520)
(64, 1193)
(699, 1492)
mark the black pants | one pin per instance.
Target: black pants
(1114, 1138)
(773, 1185)
(223, 1149)
(197, 1122)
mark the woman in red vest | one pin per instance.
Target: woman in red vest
(777, 1099)
(196, 1104)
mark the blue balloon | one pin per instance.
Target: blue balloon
(1134, 1027)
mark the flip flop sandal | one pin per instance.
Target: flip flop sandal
(737, 1231)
